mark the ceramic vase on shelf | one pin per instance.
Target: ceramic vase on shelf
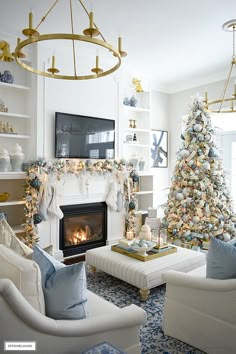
(134, 160)
(141, 164)
(17, 158)
(5, 165)
(7, 77)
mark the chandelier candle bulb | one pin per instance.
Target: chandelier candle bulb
(119, 44)
(97, 61)
(53, 61)
(91, 20)
(30, 20)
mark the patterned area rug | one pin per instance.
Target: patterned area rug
(122, 294)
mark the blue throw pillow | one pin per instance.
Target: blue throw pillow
(221, 260)
(64, 286)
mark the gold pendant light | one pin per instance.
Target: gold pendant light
(221, 105)
(88, 36)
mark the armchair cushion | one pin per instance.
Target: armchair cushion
(9, 239)
(221, 260)
(64, 286)
(25, 274)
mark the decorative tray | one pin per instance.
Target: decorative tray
(152, 254)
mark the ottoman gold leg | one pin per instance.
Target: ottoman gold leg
(92, 268)
(144, 294)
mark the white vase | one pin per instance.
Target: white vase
(17, 159)
(4, 161)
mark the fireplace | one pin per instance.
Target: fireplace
(84, 226)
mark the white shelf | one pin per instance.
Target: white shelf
(13, 86)
(16, 115)
(18, 136)
(12, 175)
(12, 202)
(137, 130)
(136, 144)
(144, 192)
(136, 109)
(18, 229)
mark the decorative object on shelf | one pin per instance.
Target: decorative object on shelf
(2, 106)
(133, 161)
(135, 137)
(229, 26)
(72, 71)
(126, 101)
(132, 123)
(17, 158)
(6, 54)
(159, 148)
(137, 84)
(5, 164)
(141, 164)
(4, 196)
(9, 128)
(133, 101)
(2, 127)
(145, 233)
(129, 138)
(7, 77)
(37, 178)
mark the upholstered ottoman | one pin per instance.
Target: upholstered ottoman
(143, 275)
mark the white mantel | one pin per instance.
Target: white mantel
(81, 190)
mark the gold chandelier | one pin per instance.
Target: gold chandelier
(210, 106)
(88, 36)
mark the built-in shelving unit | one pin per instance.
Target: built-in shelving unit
(16, 101)
(136, 121)
(13, 208)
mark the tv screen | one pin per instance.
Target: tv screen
(78, 136)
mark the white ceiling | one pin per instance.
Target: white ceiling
(177, 43)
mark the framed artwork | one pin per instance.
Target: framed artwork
(159, 148)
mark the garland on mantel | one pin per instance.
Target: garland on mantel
(37, 176)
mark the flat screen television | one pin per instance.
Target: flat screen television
(78, 136)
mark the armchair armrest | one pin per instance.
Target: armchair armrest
(189, 281)
(129, 316)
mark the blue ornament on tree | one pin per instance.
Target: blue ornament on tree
(35, 183)
(38, 218)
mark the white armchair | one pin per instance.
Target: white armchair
(22, 315)
(200, 311)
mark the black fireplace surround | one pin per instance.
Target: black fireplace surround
(83, 227)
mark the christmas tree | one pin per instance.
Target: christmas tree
(199, 205)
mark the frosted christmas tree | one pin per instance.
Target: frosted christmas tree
(199, 205)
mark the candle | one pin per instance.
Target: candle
(30, 20)
(129, 235)
(119, 44)
(91, 20)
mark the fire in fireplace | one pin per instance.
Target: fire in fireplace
(84, 226)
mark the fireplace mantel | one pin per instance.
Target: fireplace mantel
(89, 188)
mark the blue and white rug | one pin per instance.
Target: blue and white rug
(122, 294)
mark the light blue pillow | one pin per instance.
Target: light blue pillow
(64, 286)
(221, 260)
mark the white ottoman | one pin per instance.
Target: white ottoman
(143, 275)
